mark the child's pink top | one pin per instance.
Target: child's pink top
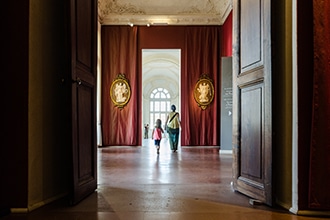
(157, 134)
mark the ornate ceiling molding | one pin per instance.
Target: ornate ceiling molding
(170, 12)
(109, 7)
(161, 20)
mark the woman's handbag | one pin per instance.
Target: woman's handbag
(166, 127)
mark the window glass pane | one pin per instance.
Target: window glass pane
(163, 96)
(157, 107)
(152, 95)
(157, 115)
(157, 95)
(151, 121)
(163, 106)
(160, 89)
(168, 106)
(151, 106)
(155, 91)
(163, 118)
(168, 95)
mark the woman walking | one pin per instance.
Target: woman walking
(172, 127)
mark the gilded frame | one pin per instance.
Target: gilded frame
(120, 91)
(204, 91)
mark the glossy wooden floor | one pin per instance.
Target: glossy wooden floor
(137, 184)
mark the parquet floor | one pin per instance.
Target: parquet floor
(134, 183)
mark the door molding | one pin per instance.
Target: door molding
(252, 99)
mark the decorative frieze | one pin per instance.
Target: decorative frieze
(170, 12)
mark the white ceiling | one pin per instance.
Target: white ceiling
(163, 12)
(161, 69)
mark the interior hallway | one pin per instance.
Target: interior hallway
(136, 183)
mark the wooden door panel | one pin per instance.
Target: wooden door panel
(84, 149)
(83, 32)
(252, 139)
(251, 132)
(250, 34)
(85, 138)
(84, 28)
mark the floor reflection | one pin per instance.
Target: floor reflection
(136, 183)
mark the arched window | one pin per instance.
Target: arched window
(160, 105)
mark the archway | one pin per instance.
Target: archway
(160, 69)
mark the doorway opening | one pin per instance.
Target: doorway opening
(161, 69)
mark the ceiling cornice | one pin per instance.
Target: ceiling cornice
(170, 12)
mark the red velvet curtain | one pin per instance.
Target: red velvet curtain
(227, 36)
(319, 192)
(202, 48)
(119, 55)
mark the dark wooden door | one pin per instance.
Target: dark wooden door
(83, 44)
(252, 99)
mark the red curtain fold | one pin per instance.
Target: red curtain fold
(200, 127)
(119, 55)
(319, 194)
(227, 32)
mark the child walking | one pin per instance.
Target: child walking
(157, 134)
